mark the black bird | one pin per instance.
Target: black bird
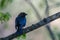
(20, 22)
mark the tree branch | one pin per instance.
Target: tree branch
(48, 25)
(34, 26)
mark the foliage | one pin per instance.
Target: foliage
(4, 17)
(3, 3)
(22, 36)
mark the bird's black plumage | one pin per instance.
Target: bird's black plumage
(20, 22)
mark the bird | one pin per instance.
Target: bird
(20, 22)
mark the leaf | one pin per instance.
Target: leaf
(7, 16)
(1, 16)
(22, 36)
(4, 16)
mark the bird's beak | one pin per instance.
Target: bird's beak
(25, 14)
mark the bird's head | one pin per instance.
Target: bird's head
(22, 14)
